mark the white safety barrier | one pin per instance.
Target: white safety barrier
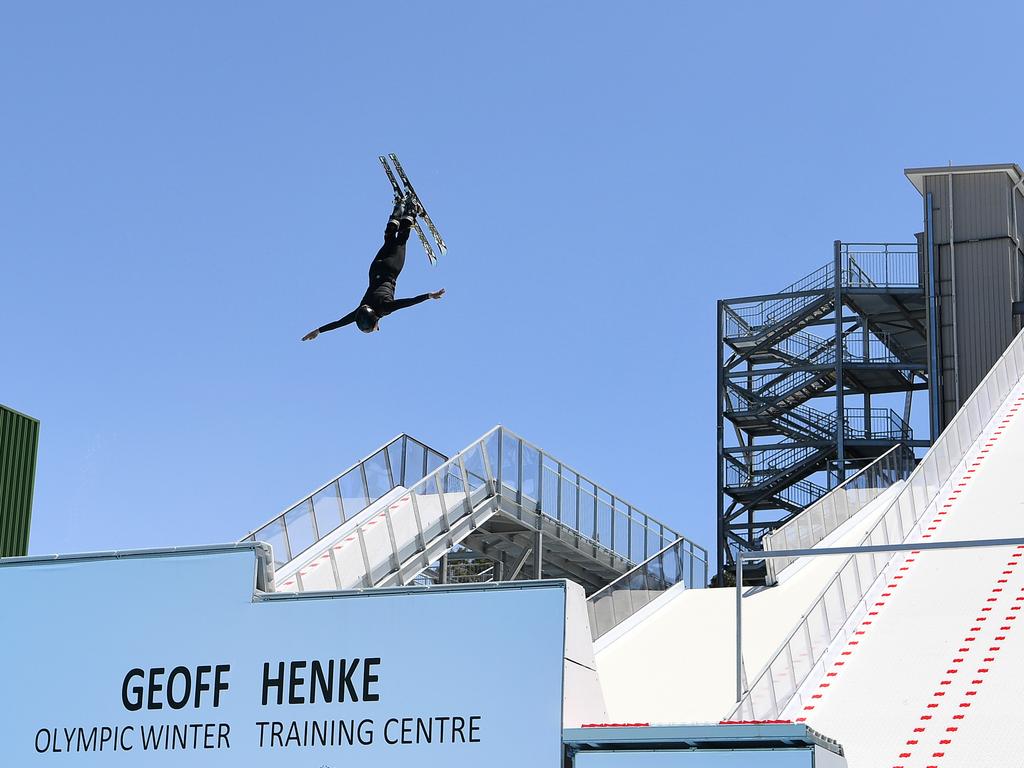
(837, 506)
(828, 617)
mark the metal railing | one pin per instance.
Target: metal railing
(819, 278)
(766, 464)
(681, 561)
(471, 573)
(879, 424)
(806, 349)
(837, 506)
(500, 466)
(801, 346)
(861, 424)
(764, 388)
(809, 422)
(876, 349)
(476, 570)
(886, 265)
(402, 461)
(804, 653)
(742, 405)
(769, 387)
(863, 265)
(748, 318)
(751, 319)
(802, 494)
(540, 482)
(829, 616)
(788, 385)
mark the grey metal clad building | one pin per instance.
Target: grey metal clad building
(973, 224)
(19, 442)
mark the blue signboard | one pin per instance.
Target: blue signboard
(169, 660)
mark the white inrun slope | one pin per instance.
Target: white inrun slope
(674, 662)
(387, 543)
(934, 674)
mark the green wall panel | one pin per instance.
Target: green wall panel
(19, 442)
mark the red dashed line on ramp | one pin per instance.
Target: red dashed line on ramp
(993, 650)
(949, 504)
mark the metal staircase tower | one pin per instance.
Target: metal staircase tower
(797, 371)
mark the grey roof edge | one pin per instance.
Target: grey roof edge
(712, 735)
(262, 552)
(916, 175)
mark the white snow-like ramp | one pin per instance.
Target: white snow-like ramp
(926, 667)
(933, 673)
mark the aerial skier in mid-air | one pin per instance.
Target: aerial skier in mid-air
(379, 299)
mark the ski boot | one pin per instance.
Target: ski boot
(398, 212)
(412, 209)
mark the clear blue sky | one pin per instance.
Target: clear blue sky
(186, 188)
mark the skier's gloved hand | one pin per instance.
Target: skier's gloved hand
(437, 294)
(311, 335)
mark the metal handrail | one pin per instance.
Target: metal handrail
(887, 265)
(788, 536)
(615, 504)
(885, 268)
(610, 586)
(480, 473)
(688, 564)
(802, 493)
(869, 549)
(805, 346)
(770, 384)
(369, 498)
(765, 463)
(899, 520)
(457, 463)
(812, 421)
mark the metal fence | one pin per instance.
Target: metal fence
(863, 265)
(844, 596)
(879, 348)
(765, 464)
(402, 461)
(539, 481)
(885, 265)
(876, 424)
(833, 509)
(752, 465)
(500, 466)
(681, 561)
(802, 493)
(780, 385)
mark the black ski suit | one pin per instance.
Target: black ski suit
(384, 271)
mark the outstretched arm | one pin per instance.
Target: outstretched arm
(398, 304)
(347, 319)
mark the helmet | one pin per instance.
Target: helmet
(366, 319)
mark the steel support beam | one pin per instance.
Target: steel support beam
(768, 357)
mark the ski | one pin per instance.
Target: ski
(416, 225)
(426, 216)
